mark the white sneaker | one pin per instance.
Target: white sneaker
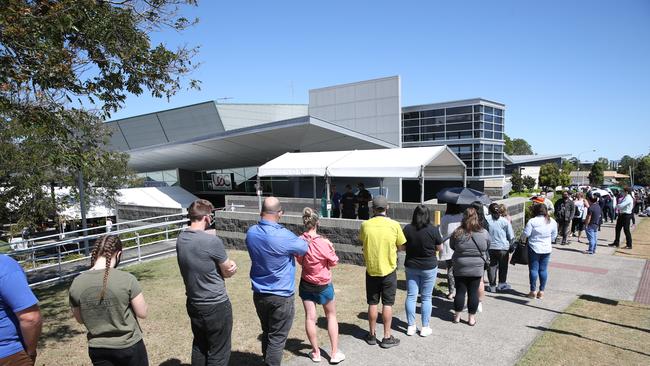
(425, 331)
(411, 330)
(338, 357)
(480, 307)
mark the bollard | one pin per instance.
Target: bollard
(436, 218)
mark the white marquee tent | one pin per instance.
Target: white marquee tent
(432, 162)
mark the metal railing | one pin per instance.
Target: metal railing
(53, 255)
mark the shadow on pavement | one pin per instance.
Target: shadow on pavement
(344, 328)
(564, 332)
(173, 362)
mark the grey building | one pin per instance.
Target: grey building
(472, 128)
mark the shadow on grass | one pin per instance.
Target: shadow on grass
(526, 302)
(564, 332)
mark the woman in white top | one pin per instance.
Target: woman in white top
(541, 231)
(580, 214)
(449, 222)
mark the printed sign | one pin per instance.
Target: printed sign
(221, 182)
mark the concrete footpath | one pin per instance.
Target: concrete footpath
(510, 322)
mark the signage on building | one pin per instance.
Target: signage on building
(222, 182)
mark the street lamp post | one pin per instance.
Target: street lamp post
(579, 162)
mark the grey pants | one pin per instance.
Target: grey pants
(564, 229)
(450, 276)
(276, 317)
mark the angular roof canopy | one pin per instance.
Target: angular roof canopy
(435, 162)
(250, 146)
(521, 159)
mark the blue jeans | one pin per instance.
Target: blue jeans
(419, 281)
(537, 267)
(592, 239)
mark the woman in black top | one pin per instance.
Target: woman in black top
(422, 242)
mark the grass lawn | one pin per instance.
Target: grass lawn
(595, 331)
(640, 240)
(167, 333)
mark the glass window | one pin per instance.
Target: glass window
(464, 156)
(432, 128)
(411, 115)
(157, 176)
(498, 135)
(488, 127)
(460, 118)
(488, 134)
(412, 123)
(477, 117)
(432, 113)
(498, 128)
(488, 147)
(478, 134)
(498, 120)
(478, 108)
(478, 156)
(459, 126)
(411, 138)
(478, 126)
(498, 148)
(477, 172)
(460, 110)
(466, 134)
(498, 112)
(410, 130)
(488, 118)
(433, 121)
(488, 110)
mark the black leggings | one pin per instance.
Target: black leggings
(469, 286)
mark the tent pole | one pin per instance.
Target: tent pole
(329, 202)
(465, 178)
(258, 191)
(314, 188)
(422, 185)
(381, 186)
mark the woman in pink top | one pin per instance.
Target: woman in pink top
(316, 286)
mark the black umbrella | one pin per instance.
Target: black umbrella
(462, 196)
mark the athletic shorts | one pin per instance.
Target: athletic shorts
(381, 287)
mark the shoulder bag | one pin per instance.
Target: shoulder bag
(486, 265)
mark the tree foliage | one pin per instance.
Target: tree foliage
(64, 67)
(551, 176)
(529, 182)
(596, 175)
(517, 146)
(517, 181)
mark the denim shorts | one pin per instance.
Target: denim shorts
(323, 297)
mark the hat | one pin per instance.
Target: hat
(538, 199)
(379, 202)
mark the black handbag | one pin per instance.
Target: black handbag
(520, 255)
(486, 264)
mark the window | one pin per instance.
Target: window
(488, 110)
(460, 118)
(459, 126)
(460, 110)
(498, 135)
(433, 136)
(478, 134)
(410, 130)
(411, 138)
(488, 126)
(411, 115)
(432, 113)
(433, 121)
(431, 128)
(498, 128)
(498, 120)
(478, 108)
(498, 112)
(478, 125)
(412, 123)
(488, 118)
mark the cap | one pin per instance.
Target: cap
(379, 202)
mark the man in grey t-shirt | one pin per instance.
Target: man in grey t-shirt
(204, 265)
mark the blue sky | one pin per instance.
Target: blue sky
(575, 75)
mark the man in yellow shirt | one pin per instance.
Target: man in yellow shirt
(381, 238)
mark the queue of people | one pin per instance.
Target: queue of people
(348, 205)
(469, 242)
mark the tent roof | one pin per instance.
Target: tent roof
(439, 162)
(169, 197)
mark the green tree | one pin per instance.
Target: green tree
(604, 162)
(625, 164)
(642, 171)
(517, 146)
(517, 181)
(550, 176)
(529, 182)
(65, 65)
(596, 176)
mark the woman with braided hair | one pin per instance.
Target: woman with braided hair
(108, 302)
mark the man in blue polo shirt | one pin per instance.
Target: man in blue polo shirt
(20, 317)
(272, 248)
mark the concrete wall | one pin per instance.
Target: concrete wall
(232, 226)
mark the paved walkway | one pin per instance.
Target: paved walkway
(510, 322)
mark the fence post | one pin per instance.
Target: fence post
(33, 255)
(137, 241)
(166, 229)
(58, 249)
